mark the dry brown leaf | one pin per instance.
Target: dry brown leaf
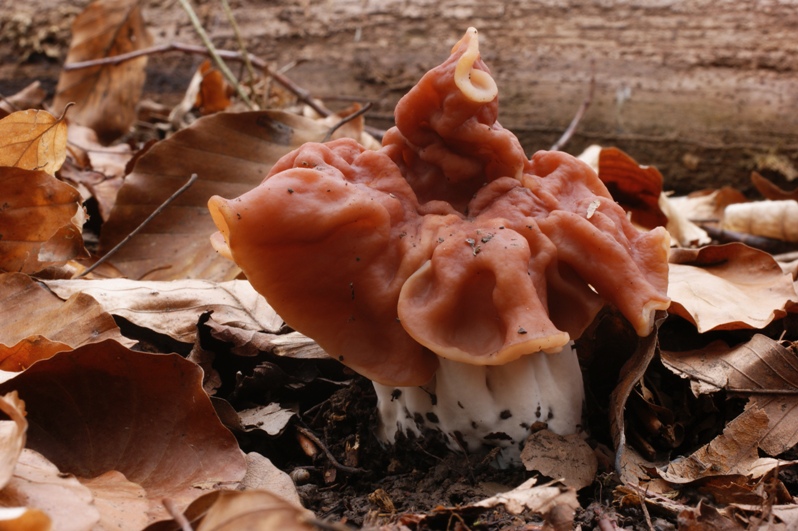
(705, 517)
(104, 408)
(770, 219)
(760, 368)
(725, 287)
(636, 188)
(105, 96)
(30, 97)
(272, 418)
(565, 457)
(231, 153)
(214, 91)
(769, 190)
(97, 170)
(33, 140)
(173, 308)
(119, 501)
(12, 435)
(538, 499)
(24, 519)
(733, 452)
(38, 483)
(263, 475)
(628, 463)
(250, 342)
(37, 324)
(255, 510)
(41, 221)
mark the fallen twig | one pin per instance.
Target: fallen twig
(333, 461)
(345, 120)
(217, 59)
(240, 41)
(566, 136)
(179, 518)
(301, 94)
(143, 224)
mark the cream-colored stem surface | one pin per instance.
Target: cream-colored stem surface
(477, 406)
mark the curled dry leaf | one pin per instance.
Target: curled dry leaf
(12, 435)
(61, 497)
(235, 510)
(24, 519)
(41, 221)
(628, 463)
(565, 457)
(30, 97)
(33, 140)
(104, 408)
(37, 324)
(105, 96)
(734, 452)
(770, 219)
(231, 153)
(173, 308)
(725, 287)
(761, 368)
(540, 499)
(637, 188)
(770, 190)
(263, 475)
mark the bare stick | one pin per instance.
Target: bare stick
(301, 94)
(144, 223)
(239, 40)
(566, 136)
(333, 461)
(220, 64)
(345, 120)
(176, 515)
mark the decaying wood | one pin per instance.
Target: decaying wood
(702, 89)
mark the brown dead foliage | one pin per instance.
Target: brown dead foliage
(162, 391)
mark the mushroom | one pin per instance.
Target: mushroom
(447, 267)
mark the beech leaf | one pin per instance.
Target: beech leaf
(12, 434)
(33, 140)
(231, 153)
(732, 452)
(251, 509)
(173, 308)
(64, 501)
(105, 96)
(637, 188)
(103, 408)
(41, 220)
(723, 287)
(761, 368)
(37, 324)
(567, 457)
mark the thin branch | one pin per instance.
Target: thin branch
(333, 461)
(566, 136)
(239, 40)
(176, 515)
(220, 64)
(363, 110)
(302, 95)
(143, 224)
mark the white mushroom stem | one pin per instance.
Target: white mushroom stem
(474, 406)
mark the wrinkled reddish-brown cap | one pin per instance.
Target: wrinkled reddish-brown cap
(446, 242)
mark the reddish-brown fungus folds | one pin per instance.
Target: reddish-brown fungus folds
(446, 254)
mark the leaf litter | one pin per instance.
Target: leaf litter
(162, 391)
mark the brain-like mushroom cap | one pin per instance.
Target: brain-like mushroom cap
(446, 242)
